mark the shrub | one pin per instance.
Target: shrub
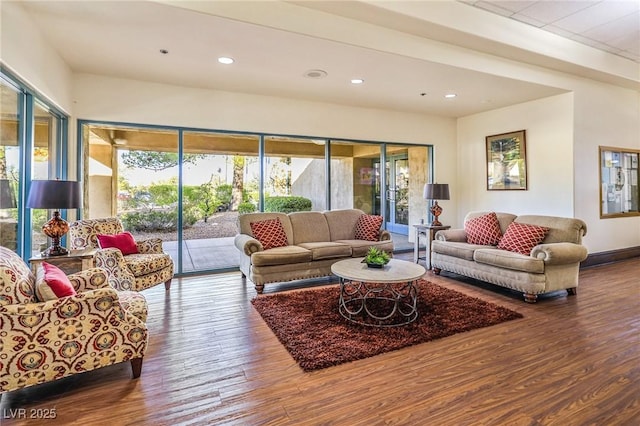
(246, 208)
(287, 204)
(157, 220)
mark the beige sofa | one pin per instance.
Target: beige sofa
(315, 241)
(552, 265)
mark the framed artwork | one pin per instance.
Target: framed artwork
(366, 176)
(506, 161)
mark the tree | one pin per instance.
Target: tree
(156, 161)
(238, 181)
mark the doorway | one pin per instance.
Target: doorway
(396, 193)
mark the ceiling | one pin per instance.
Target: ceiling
(609, 25)
(125, 40)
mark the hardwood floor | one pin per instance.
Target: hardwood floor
(212, 361)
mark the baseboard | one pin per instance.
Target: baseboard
(602, 257)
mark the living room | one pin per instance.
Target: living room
(588, 99)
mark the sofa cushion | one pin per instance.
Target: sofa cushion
(368, 227)
(327, 250)
(359, 248)
(456, 249)
(281, 256)
(509, 260)
(270, 233)
(309, 227)
(483, 230)
(342, 223)
(522, 238)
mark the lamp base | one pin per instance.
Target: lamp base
(55, 229)
(54, 251)
(436, 210)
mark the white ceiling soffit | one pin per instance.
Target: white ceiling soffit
(609, 25)
(460, 24)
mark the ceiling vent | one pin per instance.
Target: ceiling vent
(315, 74)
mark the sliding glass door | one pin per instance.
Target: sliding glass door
(188, 186)
(220, 179)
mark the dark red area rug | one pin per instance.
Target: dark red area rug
(309, 325)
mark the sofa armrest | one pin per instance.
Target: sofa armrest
(451, 235)
(384, 235)
(560, 253)
(247, 244)
(150, 245)
(119, 275)
(89, 279)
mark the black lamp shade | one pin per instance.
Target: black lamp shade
(7, 197)
(54, 194)
(436, 191)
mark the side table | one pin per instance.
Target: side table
(74, 261)
(428, 231)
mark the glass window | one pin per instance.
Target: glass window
(295, 167)
(619, 175)
(220, 180)
(9, 166)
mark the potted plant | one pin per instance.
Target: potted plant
(376, 258)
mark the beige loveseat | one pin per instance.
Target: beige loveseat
(315, 241)
(552, 265)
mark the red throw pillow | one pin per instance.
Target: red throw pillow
(57, 280)
(522, 237)
(483, 230)
(368, 227)
(270, 233)
(124, 242)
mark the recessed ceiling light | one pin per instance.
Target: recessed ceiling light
(357, 81)
(164, 51)
(315, 74)
(450, 95)
(225, 60)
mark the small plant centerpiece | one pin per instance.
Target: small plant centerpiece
(376, 258)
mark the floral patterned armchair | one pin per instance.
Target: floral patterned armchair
(139, 271)
(42, 341)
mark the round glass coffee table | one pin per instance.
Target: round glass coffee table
(379, 297)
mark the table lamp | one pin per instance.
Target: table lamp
(55, 195)
(436, 191)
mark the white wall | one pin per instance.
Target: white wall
(25, 51)
(112, 99)
(563, 135)
(549, 158)
(608, 116)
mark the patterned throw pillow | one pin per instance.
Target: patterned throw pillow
(52, 283)
(123, 242)
(368, 227)
(483, 230)
(522, 238)
(270, 233)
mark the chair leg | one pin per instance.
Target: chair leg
(136, 367)
(167, 284)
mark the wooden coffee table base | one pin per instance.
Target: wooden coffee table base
(378, 304)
